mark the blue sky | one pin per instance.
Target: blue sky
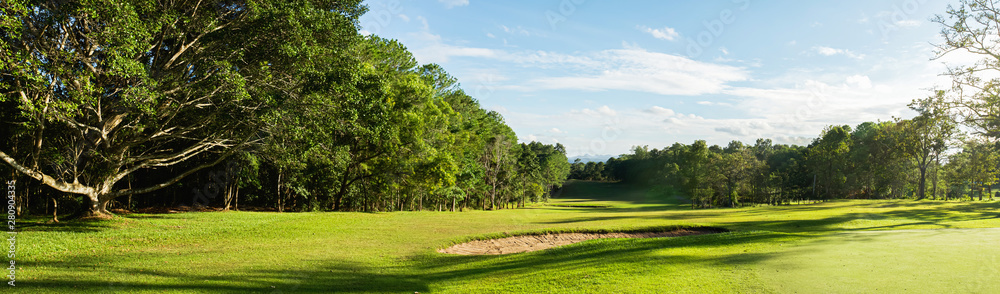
(602, 76)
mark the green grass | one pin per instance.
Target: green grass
(840, 246)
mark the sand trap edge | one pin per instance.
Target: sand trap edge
(534, 241)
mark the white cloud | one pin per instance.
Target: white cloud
(607, 111)
(423, 22)
(404, 17)
(659, 111)
(666, 33)
(828, 51)
(745, 128)
(736, 131)
(518, 30)
(491, 36)
(642, 71)
(908, 23)
(859, 81)
(454, 3)
(809, 106)
(600, 111)
(630, 69)
(436, 51)
(724, 50)
(710, 103)
(890, 18)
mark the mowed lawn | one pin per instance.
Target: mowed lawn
(832, 247)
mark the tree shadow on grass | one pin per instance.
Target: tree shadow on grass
(874, 215)
(76, 226)
(429, 271)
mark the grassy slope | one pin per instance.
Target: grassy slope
(822, 247)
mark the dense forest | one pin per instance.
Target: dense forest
(278, 105)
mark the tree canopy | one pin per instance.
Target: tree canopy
(107, 99)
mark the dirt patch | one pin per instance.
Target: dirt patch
(527, 243)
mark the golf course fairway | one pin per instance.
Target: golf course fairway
(845, 246)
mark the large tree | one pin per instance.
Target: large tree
(926, 136)
(972, 28)
(108, 88)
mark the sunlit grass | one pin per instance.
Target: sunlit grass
(771, 249)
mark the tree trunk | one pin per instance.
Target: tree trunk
(922, 188)
(55, 210)
(278, 191)
(937, 162)
(493, 199)
(236, 199)
(97, 206)
(229, 195)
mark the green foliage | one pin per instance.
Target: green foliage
(325, 118)
(106, 89)
(880, 160)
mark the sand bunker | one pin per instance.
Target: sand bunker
(526, 243)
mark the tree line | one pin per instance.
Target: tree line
(273, 104)
(904, 158)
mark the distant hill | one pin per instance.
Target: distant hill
(591, 158)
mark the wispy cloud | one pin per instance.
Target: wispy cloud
(908, 23)
(892, 18)
(454, 3)
(518, 30)
(666, 33)
(828, 51)
(659, 111)
(601, 111)
(711, 103)
(644, 71)
(434, 50)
